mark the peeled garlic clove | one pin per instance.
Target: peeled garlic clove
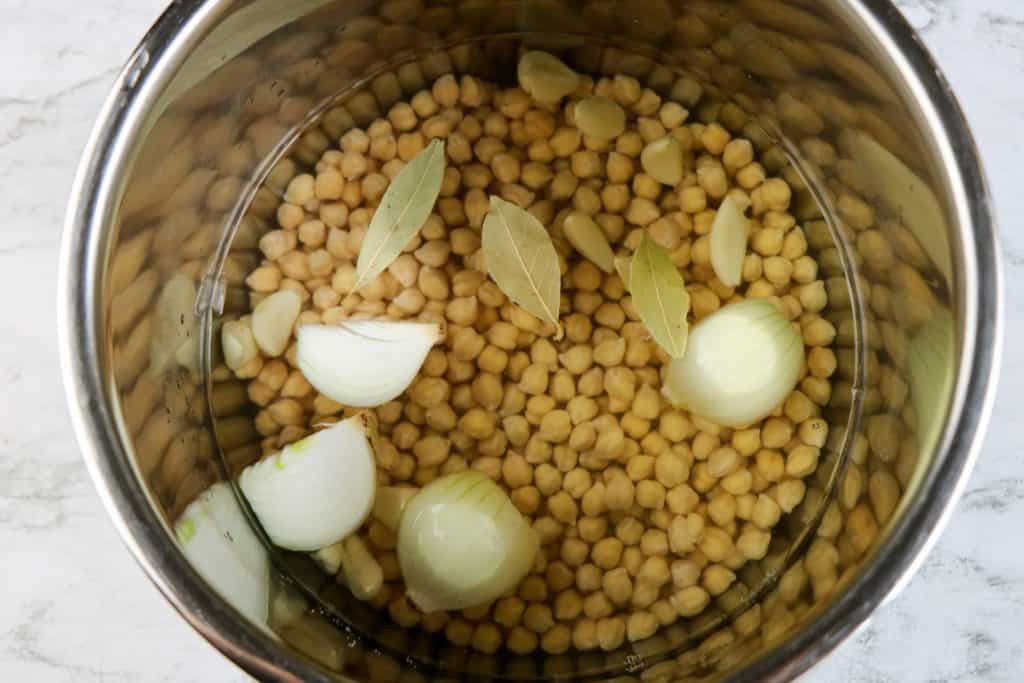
(390, 503)
(463, 543)
(316, 491)
(589, 239)
(175, 337)
(663, 160)
(363, 574)
(217, 539)
(624, 267)
(237, 343)
(729, 233)
(364, 363)
(599, 117)
(545, 77)
(318, 639)
(272, 321)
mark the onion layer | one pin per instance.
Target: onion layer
(462, 542)
(741, 362)
(364, 363)
(217, 539)
(316, 491)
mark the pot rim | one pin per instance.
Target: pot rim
(96, 191)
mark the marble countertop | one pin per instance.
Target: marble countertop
(74, 607)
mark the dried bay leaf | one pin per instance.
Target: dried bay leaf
(659, 296)
(522, 259)
(403, 210)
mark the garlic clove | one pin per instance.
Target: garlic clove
(390, 503)
(217, 539)
(272, 321)
(237, 343)
(729, 233)
(599, 117)
(363, 574)
(624, 267)
(663, 160)
(175, 336)
(545, 77)
(589, 239)
(317, 491)
(317, 638)
(364, 363)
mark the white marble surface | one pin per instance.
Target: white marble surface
(73, 605)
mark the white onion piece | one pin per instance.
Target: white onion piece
(741, 362)
(363, 574)
(217, 539)
(463, 543)
(729, 233)
(545, 77)
(364, 363)
(286, 605)
(318, 639)
(316, 491)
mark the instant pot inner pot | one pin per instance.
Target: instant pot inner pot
(777, 74)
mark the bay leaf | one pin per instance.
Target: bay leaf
(522, 259)
(659, 296)
(403, 210)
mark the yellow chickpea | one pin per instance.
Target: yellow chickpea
(619, 492)
(650, 494)
(611, 632)
(690, 601)
(618, 586)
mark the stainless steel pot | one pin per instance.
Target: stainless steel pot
(892, 196)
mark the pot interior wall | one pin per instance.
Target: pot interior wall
(263, 85)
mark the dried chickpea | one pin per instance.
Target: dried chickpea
(617, 586)
(538, 618)
(619, 492)
(611, 633)
(650, 494)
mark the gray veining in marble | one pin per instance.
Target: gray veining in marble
(74, 607)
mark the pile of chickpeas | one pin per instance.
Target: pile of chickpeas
(645, 512)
